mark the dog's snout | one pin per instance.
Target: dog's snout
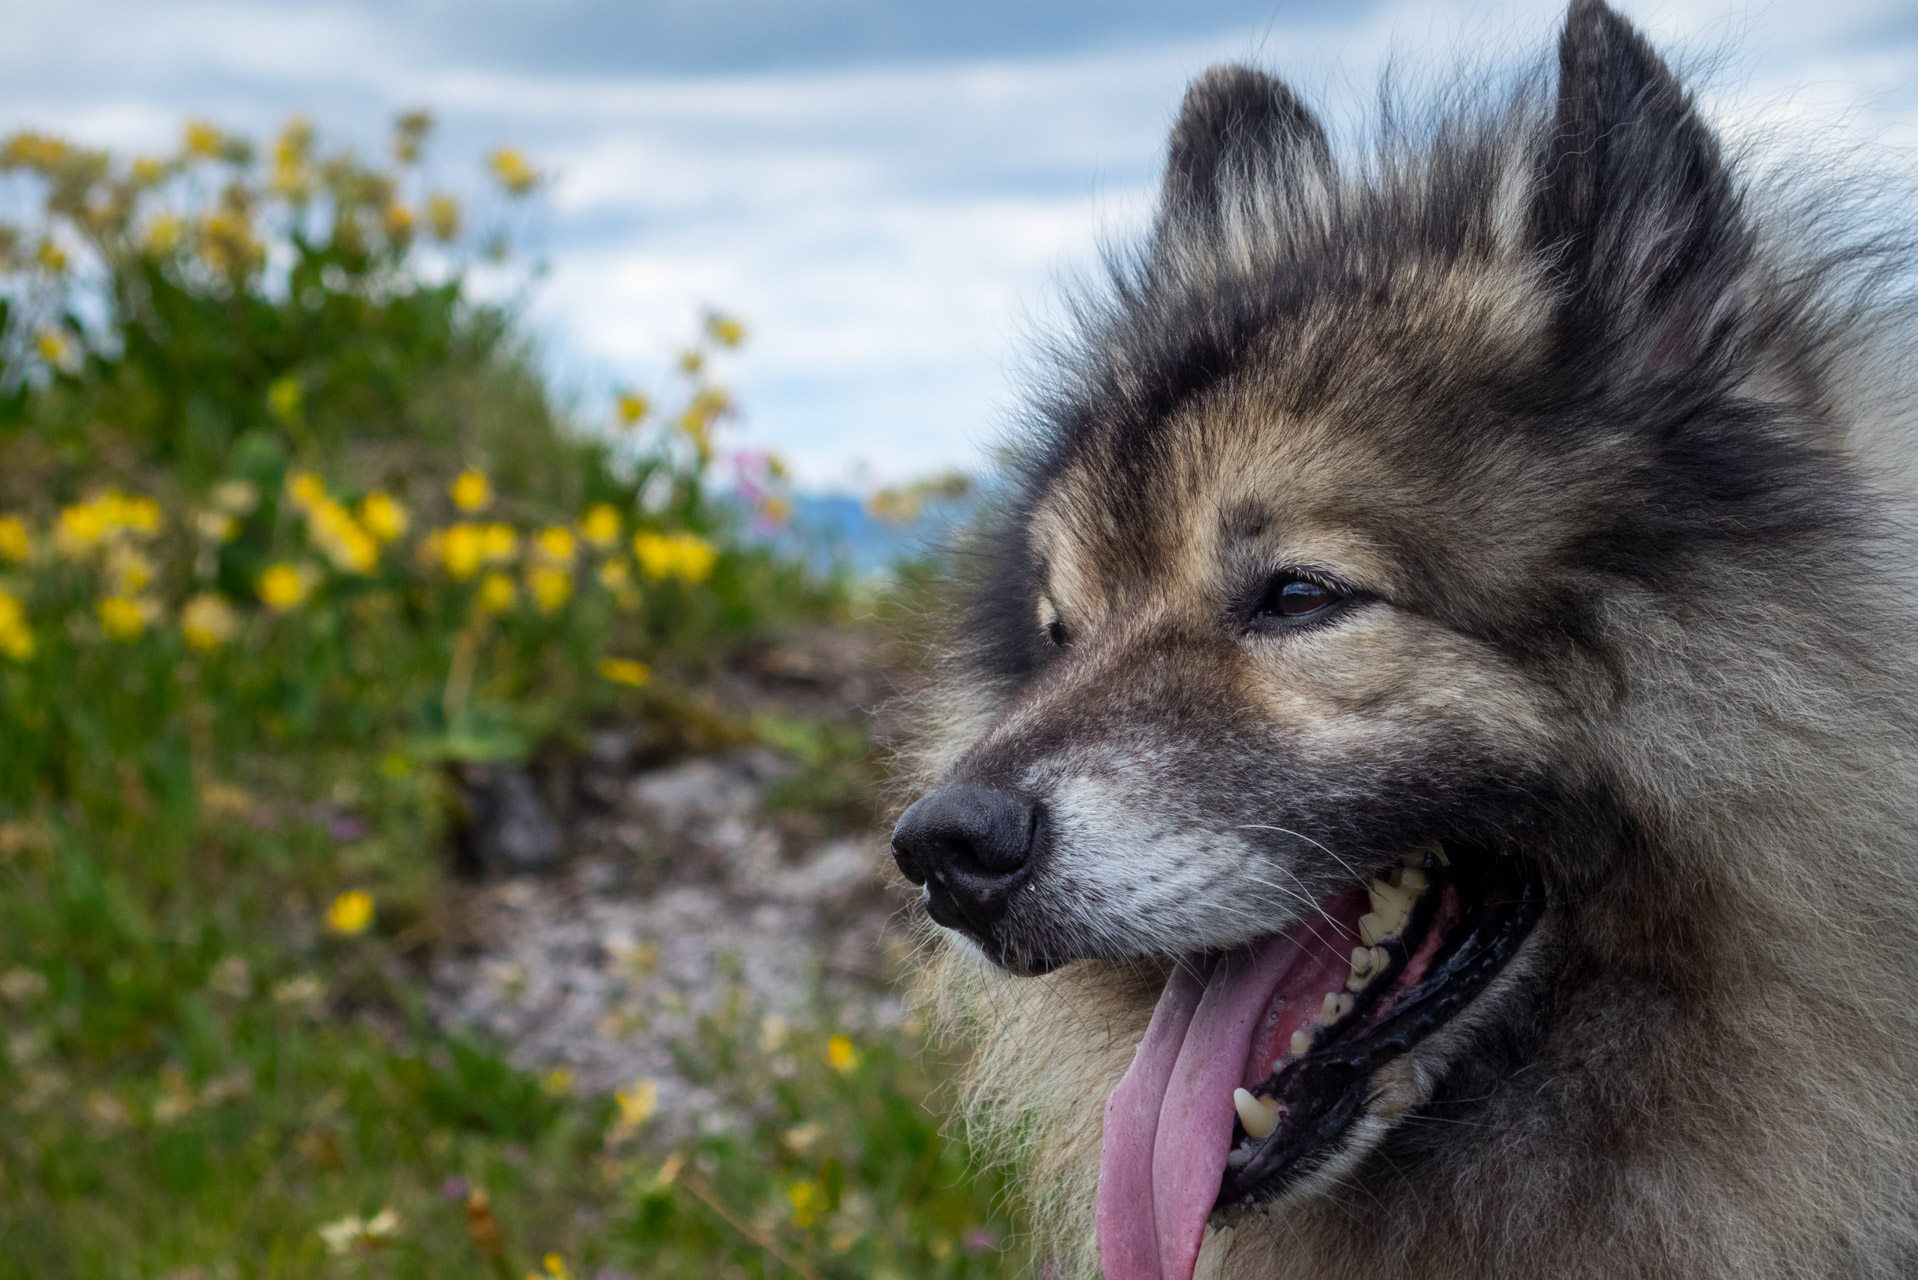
(969, 845)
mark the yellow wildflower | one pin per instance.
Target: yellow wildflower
(203, 139)
(460, 549)
(555, 1267)
(725, 330)
(551, 586)
(399, 222)
(208, 621)
(140, 516)
(290, 153)
(382, 515)
(163, 234)
(56, 348)
(84, 525)
(443, 215)
(512, 172)
(674, 555)
(331, 527)
(79, 527)
(637, 1103)
(121, 618)
(496, 594)
(303, 487)
(469, 491)
(16, 637)
(16, 544)
(284, 587)
(498, 542)
(228, 244)
(283, 398)
(617, 578)
(129, 570)
(34, 151)
(840, 1055)
(600, 525)
(350, 913)
(341, 539)
(558, 1082)
(626, 671)
(50, 255)
(806, 1202)
(555, 543)
(632, 407)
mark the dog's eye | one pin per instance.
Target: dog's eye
(1056, 632)
(1289, 598)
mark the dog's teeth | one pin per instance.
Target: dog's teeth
(1361, 969)
(1301, 1042)
(1391, 906)
(1337, 1006)
(1236, 1158)
(1367, 964)
(1411, 879)
(1260, 1116)
(1415, 857)
(1373, 929)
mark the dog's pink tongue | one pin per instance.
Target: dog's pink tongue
(1168, 1126)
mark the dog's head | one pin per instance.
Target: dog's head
(1321, 588)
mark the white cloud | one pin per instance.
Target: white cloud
(884, 230)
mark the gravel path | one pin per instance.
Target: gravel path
(670, 887)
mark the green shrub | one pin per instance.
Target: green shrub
(288, 522)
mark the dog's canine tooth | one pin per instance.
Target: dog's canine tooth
(1260, 1116)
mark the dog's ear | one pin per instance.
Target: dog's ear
(1635, 211)
(1243, 142)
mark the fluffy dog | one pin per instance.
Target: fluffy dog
(1425, 783)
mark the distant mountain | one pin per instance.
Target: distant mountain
(832, 530)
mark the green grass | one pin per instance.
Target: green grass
(226, 794)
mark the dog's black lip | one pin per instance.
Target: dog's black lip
(1334, 1075)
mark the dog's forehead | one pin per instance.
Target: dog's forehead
(1236, 481)
(1325, 447)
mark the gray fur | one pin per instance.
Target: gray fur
(1613, 433)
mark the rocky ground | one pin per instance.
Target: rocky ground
(615, 901)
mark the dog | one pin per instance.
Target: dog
(1424, 781)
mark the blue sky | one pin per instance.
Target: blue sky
(889, 193)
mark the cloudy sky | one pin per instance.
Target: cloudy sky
(887, 191)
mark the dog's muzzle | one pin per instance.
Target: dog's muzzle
(970, 846)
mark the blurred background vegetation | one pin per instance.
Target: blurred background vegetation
(292, 530)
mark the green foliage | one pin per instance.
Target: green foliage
(288, 522)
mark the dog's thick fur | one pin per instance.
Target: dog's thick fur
(1607, 432)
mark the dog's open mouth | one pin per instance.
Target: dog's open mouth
(1255, 1064)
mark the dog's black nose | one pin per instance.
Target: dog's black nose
(969, 845)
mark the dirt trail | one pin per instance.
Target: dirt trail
(657, 888)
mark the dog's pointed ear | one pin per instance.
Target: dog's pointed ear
(1242, 140)
(1634, 209)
